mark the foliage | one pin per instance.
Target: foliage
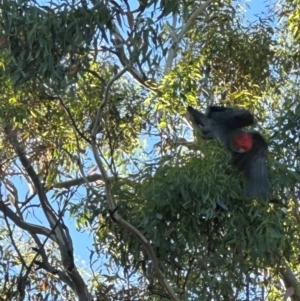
(93, 102)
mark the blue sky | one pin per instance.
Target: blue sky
(257, 7)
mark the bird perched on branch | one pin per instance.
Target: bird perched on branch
(248, 148)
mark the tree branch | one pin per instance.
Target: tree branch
(104, 100)
(31, 228)
(118, 43)
(60, 232)
(174, 47)
(61, 100)
(48, 267)
(49, 212)
(290, 279)
(91, 178)
(112, 204)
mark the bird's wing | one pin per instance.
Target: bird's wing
(198, 117)
(253, 164)
(211, 129)
(231, 118)
(203, 123)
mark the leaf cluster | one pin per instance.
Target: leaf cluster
(194, 212)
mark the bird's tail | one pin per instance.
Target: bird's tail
(257, 182)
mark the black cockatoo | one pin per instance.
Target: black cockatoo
(248, 148)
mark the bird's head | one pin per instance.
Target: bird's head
(244, 142)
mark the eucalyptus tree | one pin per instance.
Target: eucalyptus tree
(93, 104)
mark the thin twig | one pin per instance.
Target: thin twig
(13, 241)
(67, 110)
(105, 100)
